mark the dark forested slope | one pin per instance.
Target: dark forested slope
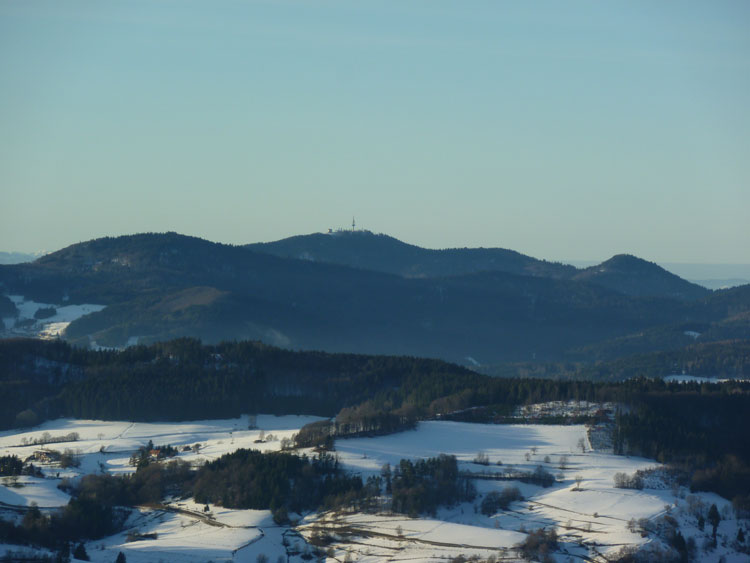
(184, 379)
(162, 286)
(363, 249)
(382, 253)
(634, 276)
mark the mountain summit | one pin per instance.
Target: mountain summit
(631, 275)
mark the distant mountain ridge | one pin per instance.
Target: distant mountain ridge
(383, 253)
(161, 286)
(363, 249)
(18, 257)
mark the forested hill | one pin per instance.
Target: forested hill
(729, 359)
(382, 253)
(363, 249)
(184, 379)
(162, 286)
(634, 276)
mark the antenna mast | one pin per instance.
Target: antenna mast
(353, 224)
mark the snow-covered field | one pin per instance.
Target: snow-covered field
(506, 443)
(26, 324)
(187, 537)
(107, 446)
(593, 519)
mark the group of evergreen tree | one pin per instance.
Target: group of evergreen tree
(422, 486)
(367, 419)
(276, 480)
(80, 519)
(11, 465)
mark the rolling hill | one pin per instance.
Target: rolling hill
(161, 286)
(382, 253)
(634, 276)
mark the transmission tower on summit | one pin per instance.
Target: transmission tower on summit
(353, 224)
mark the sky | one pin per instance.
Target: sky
(563, 130)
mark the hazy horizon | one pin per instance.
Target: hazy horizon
(578, 130)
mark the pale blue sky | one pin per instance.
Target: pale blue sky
(564, 130)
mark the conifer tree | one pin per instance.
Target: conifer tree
(714, 518)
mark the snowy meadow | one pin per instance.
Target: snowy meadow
(591, 517)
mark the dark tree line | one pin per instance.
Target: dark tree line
(79, 519)
(183, 379)
(367, 419)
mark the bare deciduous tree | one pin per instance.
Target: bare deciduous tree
(578, 478)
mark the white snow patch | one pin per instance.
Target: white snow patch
(51, 327)
(506, 443)
(694, 379)
(43, 492)
(472, 361)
